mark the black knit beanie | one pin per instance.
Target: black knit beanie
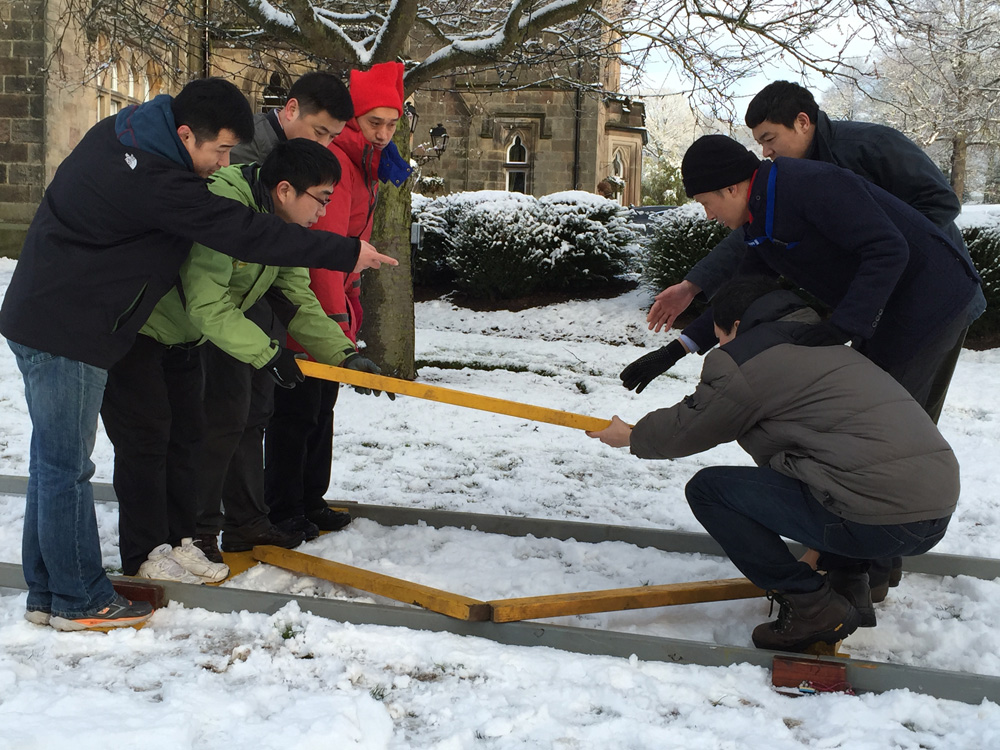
(714, 162)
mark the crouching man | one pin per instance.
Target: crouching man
(847, 463)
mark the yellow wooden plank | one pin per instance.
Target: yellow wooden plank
(610, 600)
(238, 562)
(453, 397)
(436, 600)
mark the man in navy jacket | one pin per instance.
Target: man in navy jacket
(787, 122)
(898, 286)
(106, 243)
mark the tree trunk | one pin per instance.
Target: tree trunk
(959, 156)
(387, 294)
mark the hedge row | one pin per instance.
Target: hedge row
(496, 245)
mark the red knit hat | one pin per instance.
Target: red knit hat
(381, 86)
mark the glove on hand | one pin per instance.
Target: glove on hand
(284, 369)
(822, 334)
(362, 364)
(642, 372)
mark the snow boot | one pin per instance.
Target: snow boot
(852, 584)
(805, 619)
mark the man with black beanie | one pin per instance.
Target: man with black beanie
(898, 286)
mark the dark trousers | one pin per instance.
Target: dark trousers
(298, 448)
(747, 510)
(238, 404)
(152, 412)
(927, 374)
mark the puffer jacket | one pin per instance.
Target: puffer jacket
(350, 212)
(215, 291)
(826, 416)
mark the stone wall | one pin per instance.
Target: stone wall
(22, 118)
(570, 138)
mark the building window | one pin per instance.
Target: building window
(617, 176)
(516, 165)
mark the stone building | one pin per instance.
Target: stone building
(56, 83)
(538, 139)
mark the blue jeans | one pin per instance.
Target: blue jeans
(61, 549)
(747, 510)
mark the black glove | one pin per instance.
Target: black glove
(284, 369)
(821, 334)
(362, 364)
(642, 372)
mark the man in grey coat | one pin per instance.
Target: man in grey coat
(846, 462)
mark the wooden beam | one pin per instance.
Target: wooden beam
(450, 396)
(443, 602)
(610, 600)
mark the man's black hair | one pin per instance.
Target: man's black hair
(210, 105)
(735, 297)
(322, 92)
(302, 163)
(780, 102)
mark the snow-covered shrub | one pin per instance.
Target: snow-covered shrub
(498, 245)
(430, 262)
(501, 255)
(596, 240)
(678, 239)
(984, 249)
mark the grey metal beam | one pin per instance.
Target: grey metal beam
(669, 541)
(864, 676)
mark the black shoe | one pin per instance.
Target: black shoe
(328, 519)
(209, 544)
(300, 523)
(273, 536)
(884, 573)
(853, 586)
(805, 619)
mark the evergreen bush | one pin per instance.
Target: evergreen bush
(595, 237)
(496, 245)
(984, 249)
(678, 239)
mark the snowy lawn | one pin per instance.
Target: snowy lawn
(292, 680)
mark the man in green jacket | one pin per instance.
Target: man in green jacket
(151, 419)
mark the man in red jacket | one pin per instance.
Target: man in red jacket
(299, 439)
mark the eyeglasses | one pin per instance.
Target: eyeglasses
(320, 201)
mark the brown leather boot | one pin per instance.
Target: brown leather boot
(805, 619)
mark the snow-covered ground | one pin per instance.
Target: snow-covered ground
(293, 680)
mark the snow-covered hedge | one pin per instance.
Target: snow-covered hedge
(677, 239)
(984, 249)
(498, 245)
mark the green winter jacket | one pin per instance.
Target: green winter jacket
(215, 290)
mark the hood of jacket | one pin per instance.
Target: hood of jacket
(150, 126)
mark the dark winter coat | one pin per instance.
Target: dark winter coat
(267, 133)
(115, 226)
(890, 275)
(881, 155)
(826, 416)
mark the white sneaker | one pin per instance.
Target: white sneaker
(162, 566)
(37, 617)
(191, 557)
